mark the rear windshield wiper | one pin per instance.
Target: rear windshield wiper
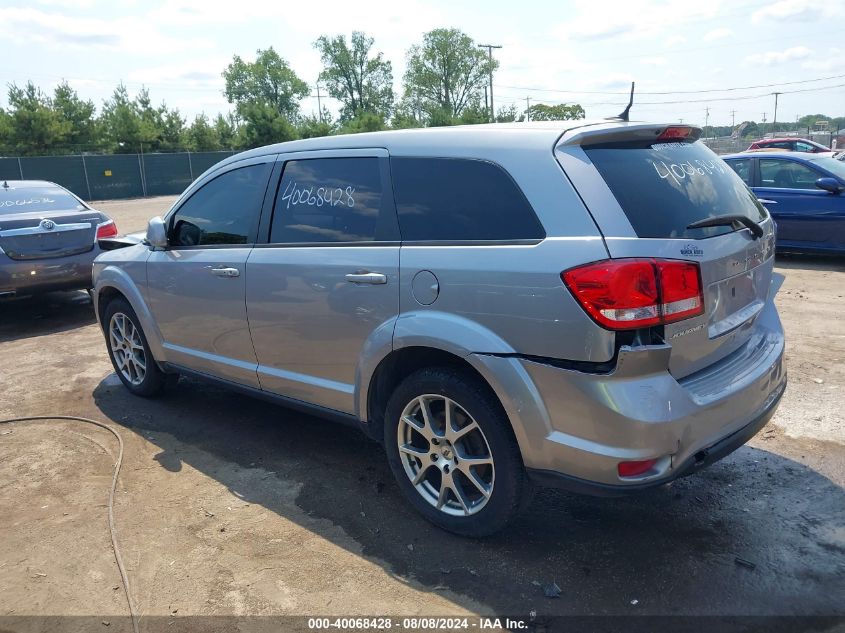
(727, 219)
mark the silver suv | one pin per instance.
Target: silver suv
(585, 305)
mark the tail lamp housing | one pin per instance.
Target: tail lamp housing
(106, 229)
(632, 293)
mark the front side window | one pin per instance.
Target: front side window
(785, 174)
(450, 199)
(804, 147)
(224, 211)
(743, 169)
(331, 200)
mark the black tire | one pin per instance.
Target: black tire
(510, 488)
(154, 380)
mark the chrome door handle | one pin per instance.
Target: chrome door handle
(366, 278)
(225, 272)
(766, 201)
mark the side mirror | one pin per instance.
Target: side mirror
(829, 184)
(157, 234)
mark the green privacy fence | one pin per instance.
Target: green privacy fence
(111, 176)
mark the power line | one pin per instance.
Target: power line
(675, 92)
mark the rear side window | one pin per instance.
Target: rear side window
(665, 187)
(14, 199)
(331, 200)
(224, 211)
(786, 174)
(450, 199)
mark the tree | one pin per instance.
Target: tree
(312, 126)
(226, 130)
(33, 126)
(360, 81)
(446, 73)
(201, 136)
(560, 112)
(364, 122)
(268, 81)
(77, 118)
(120, 122)
(509, 114)
(263, 125)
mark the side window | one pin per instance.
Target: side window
(332, 200)
(459, 199)
(223, 211)
(780, 145)
(743, 169)
(784, 174)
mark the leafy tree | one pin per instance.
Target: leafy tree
(560, 112)
(474, 114)
(201, 136)
(263, 125)
(405, 117)
(268, 81)
(312, 126)
(509, 114)
(364, 122)
(121, 125)
(172, 129)
(446, 74)
(361, 81)
(226, 130)
(33, 126)
(77, 118)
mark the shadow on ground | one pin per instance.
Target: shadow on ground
(825, 263)
(23, 317)
(755, 534)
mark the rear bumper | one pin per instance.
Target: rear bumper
(702, 458)
(44, 275)
(574, 428)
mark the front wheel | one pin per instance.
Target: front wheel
(129, 352)
(452, 451)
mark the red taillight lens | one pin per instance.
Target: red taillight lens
(106, 229)
(632, 469)
(675, 133)
(625, 294)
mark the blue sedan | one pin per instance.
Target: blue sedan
(803, 193)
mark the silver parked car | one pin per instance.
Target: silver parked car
(48, 238)
(586, 305)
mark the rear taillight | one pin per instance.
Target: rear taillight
(106, 229)
(625, 294)
(676, 133)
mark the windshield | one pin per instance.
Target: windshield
(835, 167)
(665, 187)
(25, 199)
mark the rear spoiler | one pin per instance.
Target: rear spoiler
(617, 131)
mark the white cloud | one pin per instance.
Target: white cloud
(675, 40)
(797, 10)
(717, 34)
(778, 57)
(654, 61)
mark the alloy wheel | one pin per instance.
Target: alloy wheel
(127, 348)
(445, 454)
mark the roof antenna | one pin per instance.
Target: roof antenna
(624, 115)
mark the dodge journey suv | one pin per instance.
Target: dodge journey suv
(576, 304)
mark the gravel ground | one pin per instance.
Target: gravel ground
(231, 506)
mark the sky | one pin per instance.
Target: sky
(582, 51)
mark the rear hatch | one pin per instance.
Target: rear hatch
(645, 185)
(40, 222)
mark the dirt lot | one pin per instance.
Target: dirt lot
(228, 505)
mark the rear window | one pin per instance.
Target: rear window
(27, 199)
(665, 187)
(455, 199)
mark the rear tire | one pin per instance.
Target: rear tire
(451, 448)
(129, 352)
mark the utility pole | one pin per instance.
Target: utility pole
(706, 119)
(319, 103)
(733, 119)
(486, 104)
(490, 48)
(527, 109)
(775, 117)
(764, 125)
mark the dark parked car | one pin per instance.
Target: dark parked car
(803, 193)
(48, 238)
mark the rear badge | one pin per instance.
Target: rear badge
(687, 331)
(691, 250)
(48, 225)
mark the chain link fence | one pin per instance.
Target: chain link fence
(112, 176)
